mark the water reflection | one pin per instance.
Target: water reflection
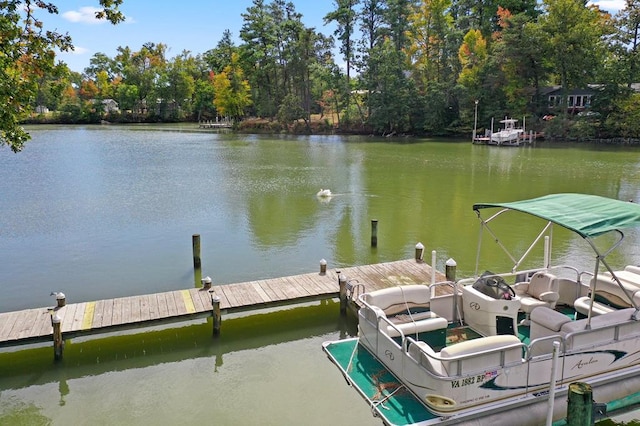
(90, 357)
(119, 378)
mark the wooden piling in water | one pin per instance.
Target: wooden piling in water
(58, 343)
(217, 316)
(450, 270)
(374, 233)
(342, 282)
(195, 242)
(580, 405)
(419, 252)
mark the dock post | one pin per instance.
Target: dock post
(374, 232)
(323, 266)
(419, 252)
(58, 343)
(206, 283)
(195, 242)
(217, 317)
(580, 405)
(450, 270)
(342, 281)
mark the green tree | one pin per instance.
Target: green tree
(26, 54)
(258, 33)
(176, 86)
(220, 56)
(431, 25)
(627, 41)
(520, 52)
(345, 17)
(575, 36)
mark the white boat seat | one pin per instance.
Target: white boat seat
(630, 274)
(545, 322)
(609, 296)
(427, 357)
(406, 307)
(604, 328)
(485, 353)
(540, 290)
(395, 300)
(582, 304)
(419, 326)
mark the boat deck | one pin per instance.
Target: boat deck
(388, 398)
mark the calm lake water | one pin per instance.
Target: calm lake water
(101, 212)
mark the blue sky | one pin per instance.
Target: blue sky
(194, 25)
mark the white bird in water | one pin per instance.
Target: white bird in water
(324, 193)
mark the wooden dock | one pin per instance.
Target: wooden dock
(105, 316)
(215, 125)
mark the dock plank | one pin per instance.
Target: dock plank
(181, 309)
(116, 317)
(76, 320)
(7, 320)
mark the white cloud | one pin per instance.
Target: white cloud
(86, 15)
(77, 50)
(610, 5)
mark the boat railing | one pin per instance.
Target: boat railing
(354, 289)
(609, 327)
(542, 346)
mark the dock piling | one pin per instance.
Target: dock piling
(58, 342)
(374, 233)
(195, 242)
(342, 281)
(450, 269)
(419, 252)
(206, 283)
(217, 317)
(580, 405)
(323, 267)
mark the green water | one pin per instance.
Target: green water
(100, 212)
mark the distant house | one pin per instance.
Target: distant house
(108, 105)
(577, 100)
(41, 109)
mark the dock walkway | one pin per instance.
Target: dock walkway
(105, 316)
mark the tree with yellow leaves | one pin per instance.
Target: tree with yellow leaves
(232, 90)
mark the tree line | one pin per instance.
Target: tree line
(429, 67)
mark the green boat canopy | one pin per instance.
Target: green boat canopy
(587, 215)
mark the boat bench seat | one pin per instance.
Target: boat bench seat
(545, 322)
(396, 300)
(630, 274)
(605, 327)
(609, 296)
(485, 353)
(407, 308)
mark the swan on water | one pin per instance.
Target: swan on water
(324, 193)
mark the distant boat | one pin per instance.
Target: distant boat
(509, 135)
(324, 193)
